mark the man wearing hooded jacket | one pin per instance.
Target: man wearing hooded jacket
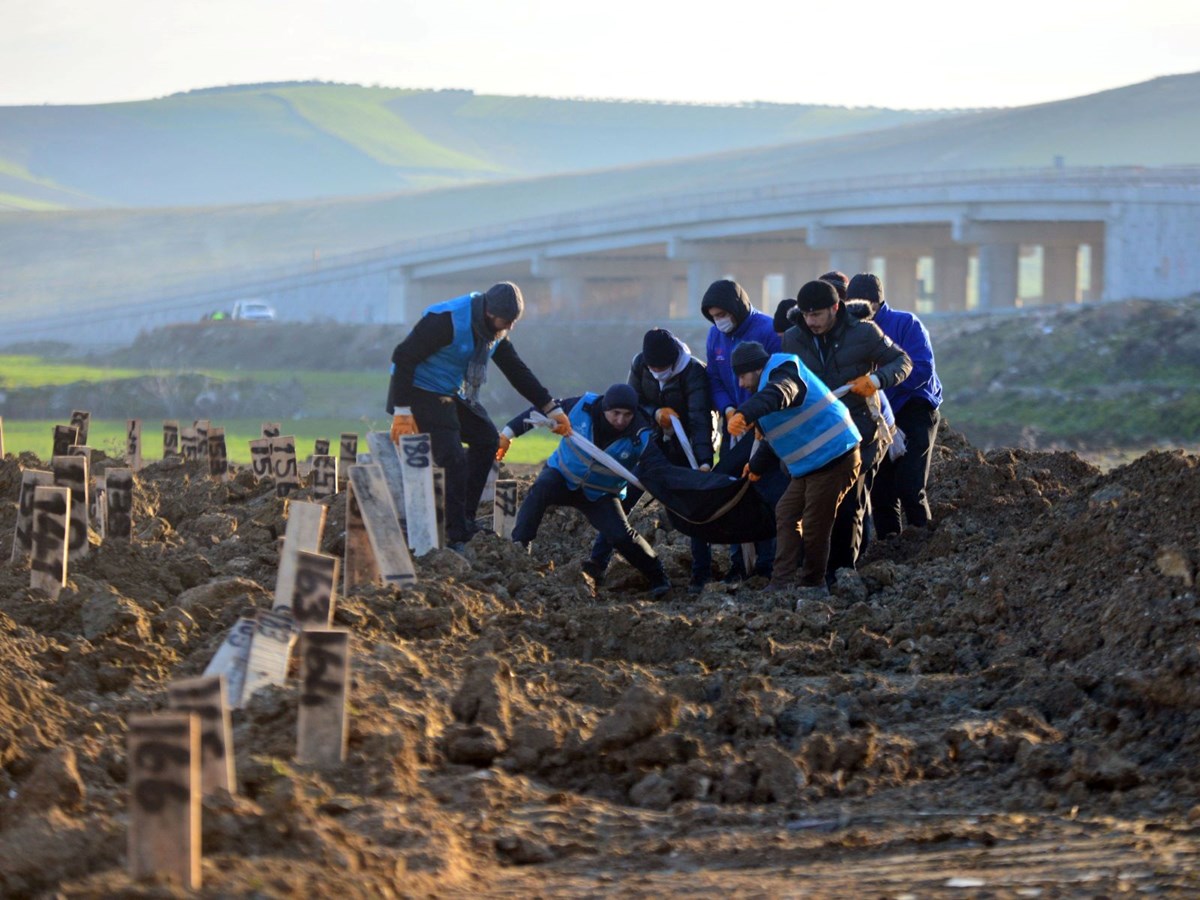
(843, 350)
(734, 321)
(437, 372)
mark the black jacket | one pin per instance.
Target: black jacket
(850, 349)
(688, 393)
(433, 332)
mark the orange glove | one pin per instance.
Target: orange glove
(562, 425)
(864, 385)
(403, 423)
(663, 417)
(505, 443)
(746, 473)
(737, 424)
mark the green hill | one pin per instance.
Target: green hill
(264, 143)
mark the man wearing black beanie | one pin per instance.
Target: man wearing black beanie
(843, 350)
(437, 372)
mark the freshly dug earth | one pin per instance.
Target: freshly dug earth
(1004, 706)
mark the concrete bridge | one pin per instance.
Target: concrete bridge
(942, 243)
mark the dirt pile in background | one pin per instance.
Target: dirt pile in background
(1024, 672)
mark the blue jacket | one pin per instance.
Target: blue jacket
(906, 330)
(443, 372)
(812, 434)
(580, 470)
(757, 326)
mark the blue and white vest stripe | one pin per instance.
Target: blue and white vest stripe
(580, 470)
(816, 432)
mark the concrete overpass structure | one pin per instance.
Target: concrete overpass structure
(947, 243)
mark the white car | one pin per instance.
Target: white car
(253, 310)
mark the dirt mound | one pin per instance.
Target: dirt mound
(1022, 673)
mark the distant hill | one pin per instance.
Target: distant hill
(265, 143)
(66, 260)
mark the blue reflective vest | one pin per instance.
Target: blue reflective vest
(444, 371)
(816, 432)
(580, 470)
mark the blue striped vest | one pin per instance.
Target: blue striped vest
(580, 470)
(443, 372)
(816, 432)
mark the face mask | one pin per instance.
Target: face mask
(725, 326)
(661, 377)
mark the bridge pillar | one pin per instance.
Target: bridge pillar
(1152, 251)
(407, 298)
(1060, 266)
(568, 295)
(998, 275)
(951, 267)
(700, 274)
(797, 273)
(900, 286)
(1096, 272)
(848, 262)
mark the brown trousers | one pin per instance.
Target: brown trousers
(804, 519)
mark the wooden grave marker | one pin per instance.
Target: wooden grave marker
(189, 445)
(82, 420)
(270, 651)
(133, 444)
(118, 488)
(202, 427)
(218, 458)
(386, 454)
(260, 459)
(171, 439)
(72, 472)
(324, 476)
(65, 437)
(321, 447)
(416, 458)
(98, 513)
(48, 543)
(369, 502)
(164, 796)
(324, 684)
(489, 486)
(271, 430)
(206, 697)
(283, 465)
(504, 508)
(439, 504)
(347, 456)
(315, 593)
(230, 660)
(303, 531)
(23, 533)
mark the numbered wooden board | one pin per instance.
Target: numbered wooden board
(65, 437)
(271, 430)
(283, 465)
(23, 534)
(315, 593)
(270, 651)
(164, 796)
(48, 545)
(324, 476)
(81, 420)
(98, 513)
(230, 660)
(321, 447)
(489, 486)
(118, 489)
(386, 455)
(347, 455)
(218, 458)
(369, 500)
(260, 459)
(171, 448)
(420, 505)
(202, 427)
(439, 503)
(206, 696)
(189, 445)
(305, 526)
(71, 472)
(504, 508)
(133, 444)
(324, 685)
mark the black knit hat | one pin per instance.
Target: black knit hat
(865, 286)
(781, 314)
(504, 301)
(816, 295)
(620, 396)
(838, 280)
(659, 348)
(748, 356)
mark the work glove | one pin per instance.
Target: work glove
(663, 417)
(737, 425)
(403, 423)
(562, 425)
(899, 446)
(747, 474)
(505, 443)
(864, 385)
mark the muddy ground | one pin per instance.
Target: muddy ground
(1006, 706)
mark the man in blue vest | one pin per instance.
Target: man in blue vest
(572, 478)
(812, 433)
(437, 372)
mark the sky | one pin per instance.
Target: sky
(918, 54)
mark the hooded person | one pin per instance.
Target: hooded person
(735, 320)
(841, 349)
(780, 320)
(437, 373)
(900, 484)
(571, 477)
